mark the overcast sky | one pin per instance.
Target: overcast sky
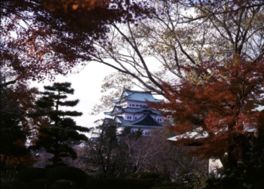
(87, 86)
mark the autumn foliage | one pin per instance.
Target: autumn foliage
(223, 99)
(47, 37)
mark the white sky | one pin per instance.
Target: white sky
(87, 86)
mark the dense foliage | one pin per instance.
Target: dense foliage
(15, 130)
(224, 108)
(58, 130)
(40, 38)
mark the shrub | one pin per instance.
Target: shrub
(75, 175)
(30, 174)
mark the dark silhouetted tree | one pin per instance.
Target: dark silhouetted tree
(14, 131)
(59, 132)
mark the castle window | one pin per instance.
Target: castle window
(146, 133)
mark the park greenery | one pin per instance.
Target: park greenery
(205, 57)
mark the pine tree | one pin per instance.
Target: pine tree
(60, 130)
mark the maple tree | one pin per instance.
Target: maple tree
(40, 38)
(53, 36)
(224, 100)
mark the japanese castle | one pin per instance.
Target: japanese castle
(132, 111)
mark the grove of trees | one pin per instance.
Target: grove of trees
(205, 57)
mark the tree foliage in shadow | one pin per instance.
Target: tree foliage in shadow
(58, 131)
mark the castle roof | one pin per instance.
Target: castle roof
(144, 121)
(140, 96)
(141, 110)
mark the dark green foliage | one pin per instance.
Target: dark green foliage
(53, 99)
(13, 152)
(30, 174)
(75, 175)
(139, 181)
(12, 136)
(118, 184)
(62, 184)
(153, 179)
(61, 130)
(48, 178)
(63, 177)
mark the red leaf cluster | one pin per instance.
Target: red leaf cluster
(224, 100)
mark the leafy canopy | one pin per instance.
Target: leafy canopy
(44, 37)
(223, 100)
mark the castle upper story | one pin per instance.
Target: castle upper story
(133, 110)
